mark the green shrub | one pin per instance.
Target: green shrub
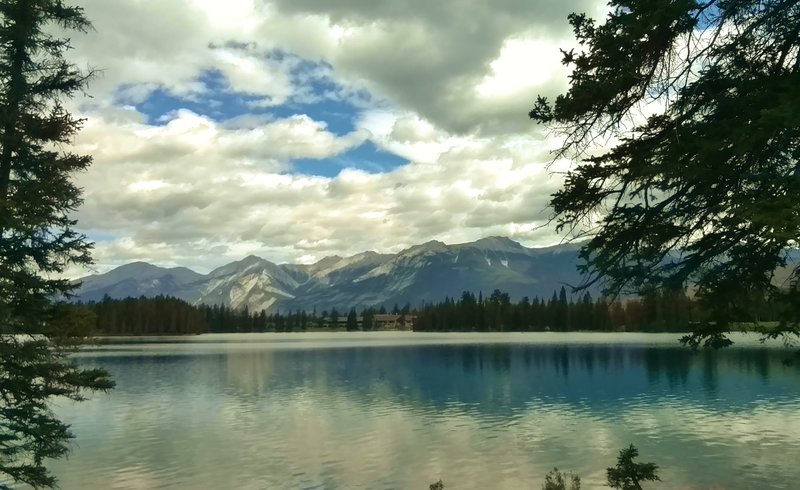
(627, 474)
(556, 480)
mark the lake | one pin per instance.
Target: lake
(401, 410)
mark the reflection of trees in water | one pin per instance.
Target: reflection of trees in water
(586, 359)
(471, 358)
(508, 376)
(671, 363)
(497, 377)
(275, 412)
(500, 358)
(561, 360)
(710, 373)
(754, 362)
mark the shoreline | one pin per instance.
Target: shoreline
(379, 338)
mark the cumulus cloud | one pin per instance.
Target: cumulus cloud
(465, 66)
(448, 60)
(196, 192)
(445, 85)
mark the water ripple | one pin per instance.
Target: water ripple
(350, 415)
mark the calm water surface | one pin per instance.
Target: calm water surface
(401, 410)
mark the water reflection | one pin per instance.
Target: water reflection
(472, 374)
(248, 372)
(491, 415)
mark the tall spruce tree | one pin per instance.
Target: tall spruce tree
(352, 320)
(703, 191)
(37, 239)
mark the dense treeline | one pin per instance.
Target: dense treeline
(164, 315)
(223, 319)
(658, 312)
(663, 312)
(161, 315)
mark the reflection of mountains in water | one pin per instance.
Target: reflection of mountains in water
(509, 376)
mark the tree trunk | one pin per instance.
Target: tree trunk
(16, 91)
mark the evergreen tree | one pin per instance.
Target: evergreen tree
(558, 480)
(37, 239)
(321, 319)
(150, 316)
(628, 475)
(561, 311)
(334, 318)
(352, 320)
(704, 191)
(498, 313)
(368, 319)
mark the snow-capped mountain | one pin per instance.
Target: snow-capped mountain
(423, 273)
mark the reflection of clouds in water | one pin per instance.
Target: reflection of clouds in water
(134, 478)
(353, 446)
(697, 444)
(476, 416)
(248, 372)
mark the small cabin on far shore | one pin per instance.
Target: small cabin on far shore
(380, 321)
(393, 322)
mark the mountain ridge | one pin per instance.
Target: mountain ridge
(421, 273)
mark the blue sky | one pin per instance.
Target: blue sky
(297, 130)
(338, 114)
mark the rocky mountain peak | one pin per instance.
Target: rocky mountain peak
(431, 246)
(425, 272)
(495, 244)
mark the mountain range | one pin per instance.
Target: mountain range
(423, 273)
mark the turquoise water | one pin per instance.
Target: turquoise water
(401, 410)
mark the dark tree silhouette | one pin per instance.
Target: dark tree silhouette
(704, 190)
(558, 480)
(37, 239)
(628, 475)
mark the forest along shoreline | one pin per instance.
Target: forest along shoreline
(168, 316)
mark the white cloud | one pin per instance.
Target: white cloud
(522, 66)
(140, 47)
(430, 58)
(198, 193)
(445, 85)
